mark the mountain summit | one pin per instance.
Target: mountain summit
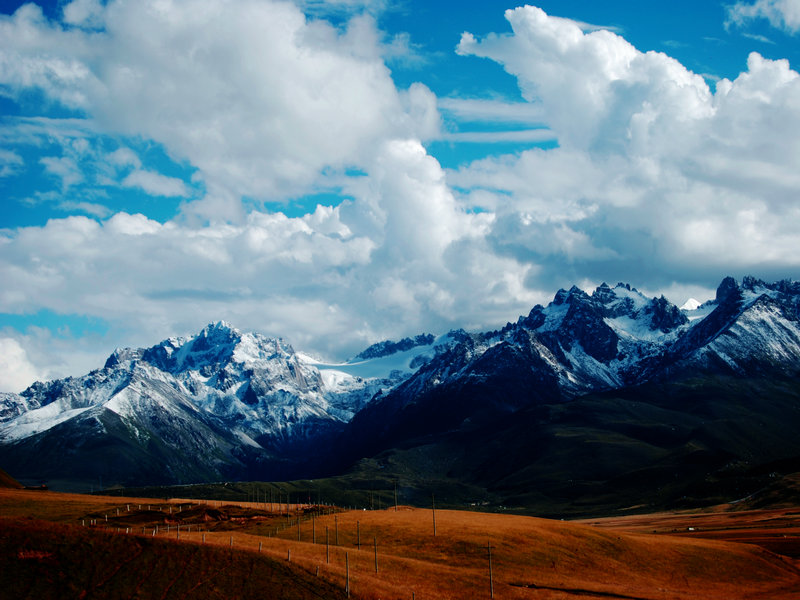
(583, 343)
(219, 404)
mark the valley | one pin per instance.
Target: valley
(178, 548)
(604, 446)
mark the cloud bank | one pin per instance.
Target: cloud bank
(781, 14)
(656, 179)
(654, 170)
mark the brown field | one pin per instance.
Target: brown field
(215, 553)
(776, 530)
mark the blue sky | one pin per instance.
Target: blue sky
(342, 172)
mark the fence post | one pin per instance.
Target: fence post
(491, 579)
(347, 571)
(433, 505)
(358, 534)
(375, 543)
(327, 547)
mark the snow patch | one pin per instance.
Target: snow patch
(691, 304)
(38, 420)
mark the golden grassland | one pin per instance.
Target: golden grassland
(530, 558)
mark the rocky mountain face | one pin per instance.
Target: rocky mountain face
(226, 404)
(614, 338)
(221, 404)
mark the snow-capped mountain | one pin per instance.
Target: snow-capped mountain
(259, 387)
(747, 329)
(227, 403)
(580, 343)
(222, 399)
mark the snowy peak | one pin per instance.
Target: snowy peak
(255, 397)
(749, 328)
(256, 388)
(620, 294)
(645, 314)
(388, 347)
(212, 346)
(691, 304)
(596, 321)
(216, 345)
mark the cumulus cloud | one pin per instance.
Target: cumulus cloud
(259, 99)
(16, 371)
(656, 175)
(654, 170)
(401, 256)
(781, 14)
(64, 168)
(84, 13)
(155, 184)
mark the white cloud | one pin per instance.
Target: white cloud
(84, 13)
(323, 279)
(64, 168)
(490, 110)
(10, 163)
(782, 14)
(16, 371)
(653, 168)
(655, 175)
(155, 184)
(259, 99)
(590, 84)
(531, 136)
(124, 157)
(90, 208)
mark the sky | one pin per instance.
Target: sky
(342, 172)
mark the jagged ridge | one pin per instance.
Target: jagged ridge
(226, 403)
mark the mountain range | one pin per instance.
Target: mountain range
(604, 400)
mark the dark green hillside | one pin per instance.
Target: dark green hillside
(668, 445)
(6, 481)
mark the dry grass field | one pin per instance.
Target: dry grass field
(209, 550)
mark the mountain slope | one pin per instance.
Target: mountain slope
(221, 404)
(666, 445)
(606, 399)
(580, 344)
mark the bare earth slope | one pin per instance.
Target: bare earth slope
(381, 554)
